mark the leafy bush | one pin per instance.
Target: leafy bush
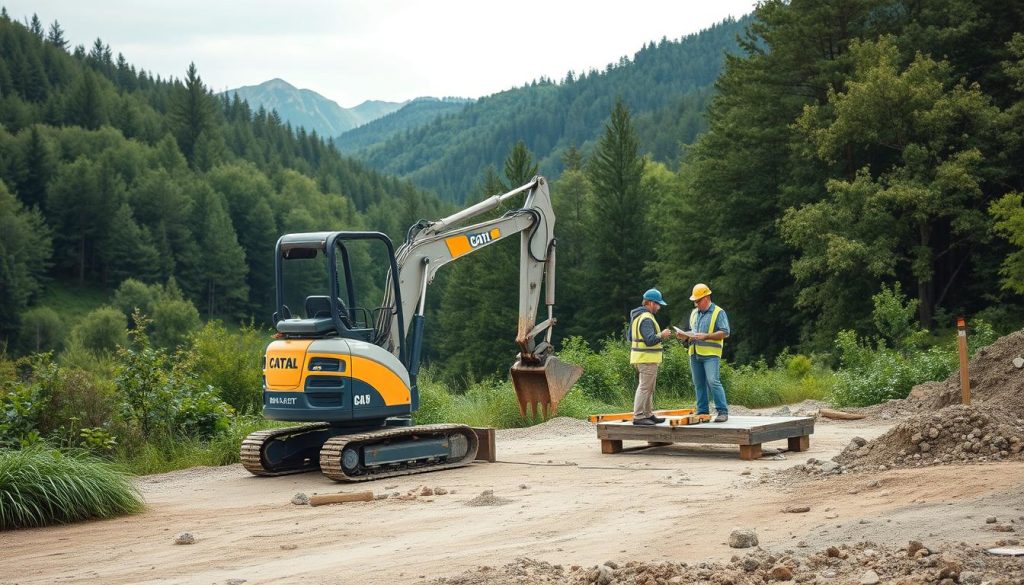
(41, 330)
(607, 376)
(173, 322)
(133, 295)
(102, 330)
(161, 400)
(41, 486)
(231, 364)
(20, 411)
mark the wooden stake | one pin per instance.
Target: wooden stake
(320, 500)
(965, 379)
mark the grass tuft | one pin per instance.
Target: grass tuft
(41, 486)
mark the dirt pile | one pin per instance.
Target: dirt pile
(953, 434)
(864, 563)
(559, 426)
(995, 379)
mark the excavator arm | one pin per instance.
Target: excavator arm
(540, 379)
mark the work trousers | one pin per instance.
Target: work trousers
(643, 403)
(705, 373)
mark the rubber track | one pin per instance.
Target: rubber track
(330, 455)
(252, 449)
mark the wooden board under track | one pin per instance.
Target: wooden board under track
(749, 432)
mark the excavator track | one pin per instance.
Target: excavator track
(255, 458)
(342, 458)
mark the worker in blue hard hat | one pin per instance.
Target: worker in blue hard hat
(645, 352)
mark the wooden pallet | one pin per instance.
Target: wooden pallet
(749, 432)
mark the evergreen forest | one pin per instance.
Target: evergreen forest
(845, 175)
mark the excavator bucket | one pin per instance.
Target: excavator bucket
(543, 386)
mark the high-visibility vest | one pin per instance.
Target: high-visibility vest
(639, 351)
(707, 347)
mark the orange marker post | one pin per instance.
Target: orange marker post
(965, 380)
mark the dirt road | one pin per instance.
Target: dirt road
(554, 498)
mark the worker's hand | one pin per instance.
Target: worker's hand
(665, 333)
(700, 336)
(680, 336)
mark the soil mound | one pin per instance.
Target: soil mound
(559, 426)
(953, 434)
(995, 379)
(863, 563)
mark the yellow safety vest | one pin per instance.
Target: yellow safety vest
(639, 351)
(707, 347)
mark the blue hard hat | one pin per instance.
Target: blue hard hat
(654, 295)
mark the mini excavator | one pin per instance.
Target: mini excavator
(347, 369)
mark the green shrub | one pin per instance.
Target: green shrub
(41, 330)
(607, 376)
(161, 400)
(173, 322)
(20, 411)
(436, 400)
(101, 330)
(41, 486)
(133, 295)
(873, 375)
(231, 364)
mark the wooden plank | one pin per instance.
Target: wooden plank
(628, 416)
(610, 447)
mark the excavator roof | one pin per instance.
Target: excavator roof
(304, 240)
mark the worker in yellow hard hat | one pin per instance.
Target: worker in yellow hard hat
(709, 326)
(645, 352)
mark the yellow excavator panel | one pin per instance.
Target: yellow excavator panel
(283, 363)
(387, 383)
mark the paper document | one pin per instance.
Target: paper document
(686, 333)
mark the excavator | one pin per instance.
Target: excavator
(347, 368)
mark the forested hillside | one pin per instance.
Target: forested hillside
(109, 173)
(666, 85)
(857, 154)
(413, 114)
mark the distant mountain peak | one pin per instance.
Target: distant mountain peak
(309, 109)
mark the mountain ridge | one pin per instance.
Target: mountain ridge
(311, 110)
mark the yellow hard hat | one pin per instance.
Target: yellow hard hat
(700, 290)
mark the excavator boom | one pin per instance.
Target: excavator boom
(540, 379)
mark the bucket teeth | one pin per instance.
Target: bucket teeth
(541, 387)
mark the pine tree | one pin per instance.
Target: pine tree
(56, 36)
(192, 113)
(223, 267)
(619, 243)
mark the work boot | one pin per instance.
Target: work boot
(644, 422)
(722, 417)
(656, 419)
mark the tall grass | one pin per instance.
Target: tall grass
(40, 486)
(184, 452)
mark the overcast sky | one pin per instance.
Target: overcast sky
(393, 50)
